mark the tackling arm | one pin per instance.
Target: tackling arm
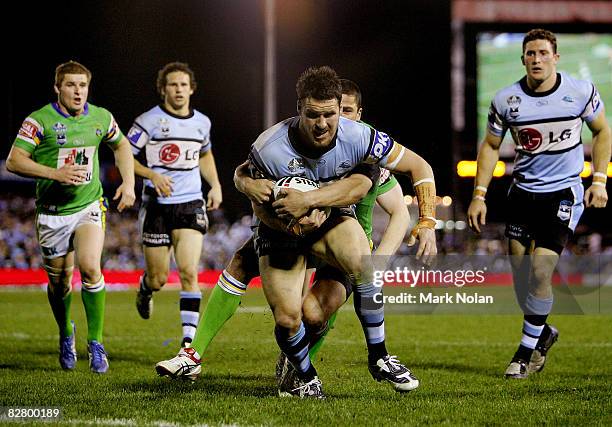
(257, 190)
(407, 162)
(344, 192)
(393, 204)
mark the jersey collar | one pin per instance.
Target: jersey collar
(57, 108)
(176, 116)
(530, 92)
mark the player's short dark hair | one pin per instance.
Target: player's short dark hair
(351, 88)
(171, 68)
(70, 67)
(320, 83)
(540, 34)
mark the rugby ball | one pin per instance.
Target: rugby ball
(295, 182)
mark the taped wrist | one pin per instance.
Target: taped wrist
(479, 193)
(425, 190)
(599, 179)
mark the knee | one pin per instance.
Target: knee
(313, 315)
(90, 272)
(287, 320)
(60, 280)
(155, 281)
(188, 273)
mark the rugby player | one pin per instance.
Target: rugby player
(544, 112)
(322, 146)
(175, 140)
(58, 145)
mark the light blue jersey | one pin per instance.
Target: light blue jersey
(546, 128)
(276, 151)
(173, 146)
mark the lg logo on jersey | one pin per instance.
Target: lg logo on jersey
(170, 153)
(531, 139)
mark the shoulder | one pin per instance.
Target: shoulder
(508, 96)
(582, 87)
(99, 112)
(201, 117)
(150, 116)
(352, 130)
(279, 131)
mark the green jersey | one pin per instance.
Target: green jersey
(55, 139)
(365, 208)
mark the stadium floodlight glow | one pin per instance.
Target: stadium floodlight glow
(447, 201)
(407, 199)
(586, 170)
(467, 169)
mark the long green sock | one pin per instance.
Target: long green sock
(317, 346)
(94, 300)
(220, 307)
(60, 306)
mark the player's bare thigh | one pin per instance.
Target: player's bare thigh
(187, 245)
(345, 246)
(282, 284)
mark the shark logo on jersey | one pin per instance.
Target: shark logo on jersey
(530, 139)
(542, 103)
(295, 164)
(514, 101)
(567, 98)
(164, 126)
(60, 133)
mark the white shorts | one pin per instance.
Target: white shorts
(56, 232)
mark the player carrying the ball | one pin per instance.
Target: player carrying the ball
(324, 147)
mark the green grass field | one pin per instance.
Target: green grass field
(460, 360)
(584, 56)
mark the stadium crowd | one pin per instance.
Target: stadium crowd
(122, 247)
(123, 250)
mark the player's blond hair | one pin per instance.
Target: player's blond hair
(70, 67)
